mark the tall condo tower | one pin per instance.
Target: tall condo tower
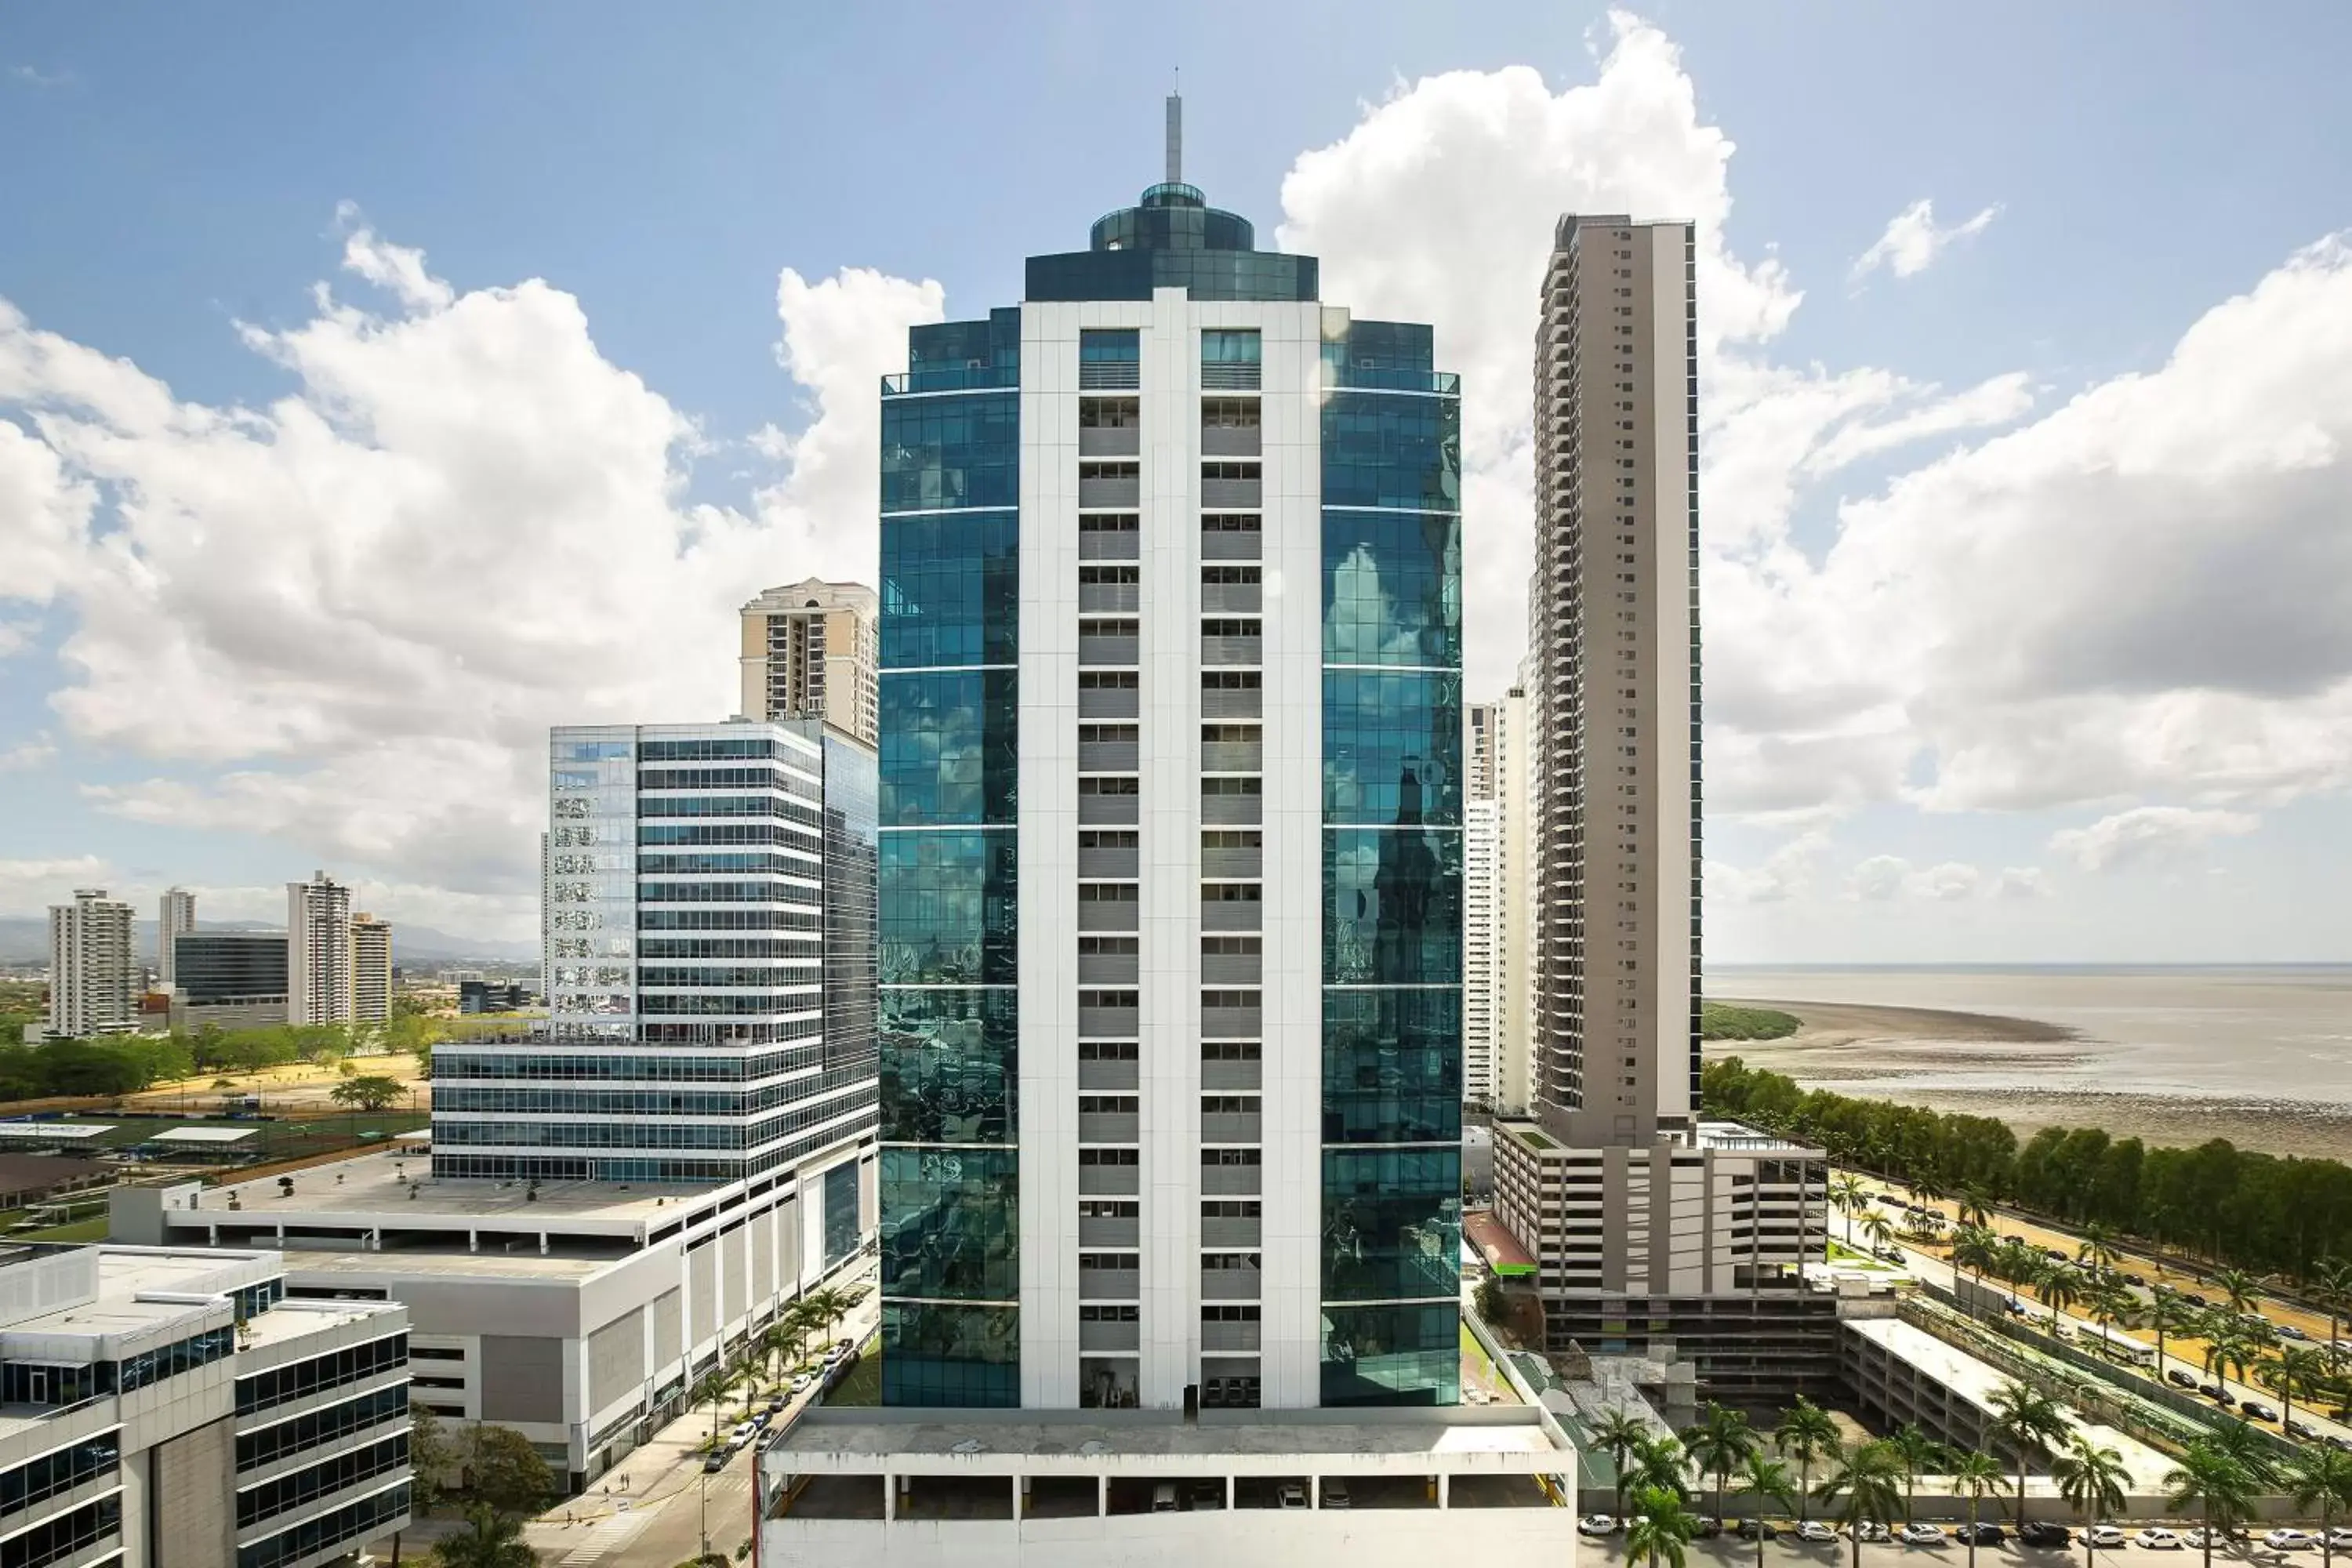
(809, 653)
(175, 918)
(93, 979)
(1482, 909)
(1614, 623)
(371, 970)
(317, 951)
(1171, 817)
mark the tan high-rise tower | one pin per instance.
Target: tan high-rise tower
(811, 651)
(317, 951)
(1614, 615)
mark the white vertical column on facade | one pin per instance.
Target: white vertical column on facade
(1048, 851)
(1662, 323)
(1170, 845)
(1291, 1104)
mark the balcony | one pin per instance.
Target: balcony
(1113, 865)
(1219, 702)
(1106, 1127)
(1108, 1024)
(1215, 651)
(1112, 544)
(1109, 598)
(1230, 1076)
(1124, 1181)
(1232, 1023)
(1221, 1284)
(1231, 598)
(1227, 756)
(1218, 811)
(1227, 1126)
(1107, 756)
(1110, 1284)
(1232, 543)
(1098, 651)
(1109, 374)
(1229, 376)
(1124, 493)
(1112, 915)
(1234, 915)
(1108, 1336)
(1222, 1231)
(1216, 1181)
(1099, 1076)
(1109, 968)
(1228, 1337)
(1216, 495)
(1113, 811)
(1109, 1232)
(1231, 440)
(1110, 440)
(1247, 864)
(1109, 703)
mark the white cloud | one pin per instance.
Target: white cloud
(1786, 873)
(1880, 877)
(33, 885)
(25, 756)
(2148, 834)
(1886, 877)
(2021, 882)
(1912, 241)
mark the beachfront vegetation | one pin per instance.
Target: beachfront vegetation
(2258, 1212)
(1721, 1021)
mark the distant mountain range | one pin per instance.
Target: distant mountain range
(23, 941)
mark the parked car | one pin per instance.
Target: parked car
(775, 1404)
(1986, 1531)
(2289, 1331)
(1596, 1524)
(2180, 1379)
(2194, 1300)
(2287, 1541)
(2016, 1308)
(2300, 1432)
(1922, 1536)
(2135, 1280)
(801, 1381)
(1705, 1530)
(717, 1461)
(2041, 1533)
(2105, 1537)
(743, 1429)
(2157, 1539)
(1335, 1495)
(1291, 1495)
(2195, 1539)
(1871, 1532)
(1207, 1494)
(1814, 1532)
(2255, 1410)
(2340, 1538)
(1752, 1529)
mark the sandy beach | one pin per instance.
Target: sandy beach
(2031, 1073)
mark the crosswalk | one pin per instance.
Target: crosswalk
(613, 1532)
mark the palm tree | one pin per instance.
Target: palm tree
(2024, 1419)
(1866, 1479)
(490, 1540)
(2331, 1282)
(2300, 1369)
(1767, 1480)
(2093, 1479)
(2321, 1477)
(1976, 1249)
(1662, 1530)
(1618, 1435)
(2018, 1263)
(1976, 1208)
(1659, 1464)
(2213, 1483)
(713, 1391)
(1919, 1453)
(2241, 1290)
(1879, 1228)
(2227, 1347)
(2057, 1284)
(1974, 1473)
(1847, 1192)
(1718, 1444)
(2098, 1247)
(2168, 1314)
(2242, 1445)
(1806, 1433)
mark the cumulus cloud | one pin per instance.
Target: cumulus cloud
(1911, 240)
(2021, 882)
(1882, 878)
(1786, 873)
(2148, 834)
(27, 756)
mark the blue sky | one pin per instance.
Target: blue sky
(179, 179)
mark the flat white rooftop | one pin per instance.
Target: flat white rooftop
(205, 1135)
(53, 1131)
(372, 1187)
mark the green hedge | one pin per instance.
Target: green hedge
(1721, 1021)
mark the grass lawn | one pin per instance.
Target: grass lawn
(80, 1230)
(862, 1386)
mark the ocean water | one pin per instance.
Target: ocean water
(2281, 1034)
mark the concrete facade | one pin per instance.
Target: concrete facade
(93, 975)
(317, 951)
(811, 650)
(175, 917)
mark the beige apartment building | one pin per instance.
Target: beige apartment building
(371, 970)
(812, 650)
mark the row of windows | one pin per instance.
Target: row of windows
(724, 863)
(299, 1380)
(730, 974)
(355, 1522)
(271, 1498)
(61, 1471)
(783, 779)
(734, 1005)
(727, 947)
(453, 1062)
(769, 890)
(586, 1167)
(637, 1134)
(730, 806)
(627, 1102)
(317, 1428)
(170, 1361)
(731, 749)
(65, 1535)
(731, 919)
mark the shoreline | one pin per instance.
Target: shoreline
(1878, 1052)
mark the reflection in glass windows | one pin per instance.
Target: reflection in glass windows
(949, 1065)
(1388, 451)
(1392, 747)
(940, 453)
(1408, 1355)
(950, 1355)
(950, 1224)
(952, 590)
(950, 747)
(1392, 907)
(1391, 1224)
(1391, 587)
(949, 908)
(1393, 1066)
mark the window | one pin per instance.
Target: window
(1230, 1260)
(1108, 838)
(1110, 1208)
(1216, 1156)
(1109, 413)
(1229, 1105)
(1230, 1050)
(1110, 1261)
(1231, 679)
(1229, 523)
(1227, 346)
(1110, 999)
(1212, 785)
(1228, 413)
(1107, 1105)
(1108, 893)
(1109, 946)
(1094, 785)
(1231, 893)
(1231, 838)
(1113, 346)
(1211, 470)
(1231, 1208)
(1101, 576)
(1110, 471)
(1108, 522)
(1107, 1050)
(1223, 628)
(1091, 1156)
(1109, 680)
(1229, 1312)
(1229, 998)
(1223, 735)
(1230, 576)
(1108, 1313)
(1108, 734)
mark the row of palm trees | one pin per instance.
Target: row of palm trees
(1875, 1482)
(766, 1361)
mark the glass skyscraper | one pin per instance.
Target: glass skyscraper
(1170, 810)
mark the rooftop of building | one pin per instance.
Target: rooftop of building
(813, 593)
(296, 1319)
(525, 1262)
(1738, 1137)
(380, 1185)
(1438, 1435)
(1495, 1243)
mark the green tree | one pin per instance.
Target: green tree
(368, 1093)
(1719, 1443)
(2098, 1247)
(1662, 1530)
(2091, 1479)
(1659, 1464)
(1974, 1474)
(1976, 1249)
(1866, 1479)
(2331, 1282)
(1767, 1479)
(1848, 1193)
(2213, 1483)
(2024, 1419)
(490, 1540)
(431, 1457)
(2300, 1369)
(2242, 1445)
(2241, 1290)
(2228, 1349)
(1919, 1453)
(1879, 1228)
(2168, 1314)
(2059, 1286)
(1620, 1435)
(2321, 1477)
(508, 1473)
(1976, 1207)
(1489, 1298)
(1806, 1433)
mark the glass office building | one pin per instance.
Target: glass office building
(710, 932)
(1171, 803)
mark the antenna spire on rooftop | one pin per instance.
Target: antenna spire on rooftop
(1176, 132)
